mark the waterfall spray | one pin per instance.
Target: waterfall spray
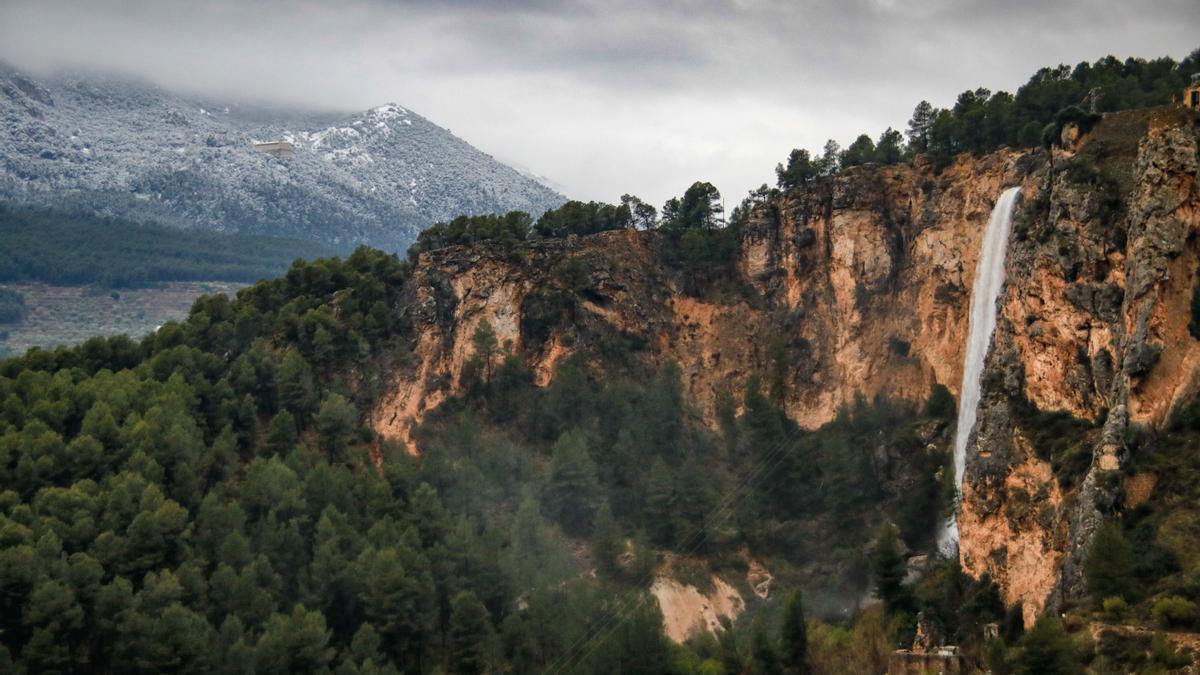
(989, 277)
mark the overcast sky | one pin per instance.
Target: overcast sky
(603, 97)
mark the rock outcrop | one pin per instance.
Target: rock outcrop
(687, 610)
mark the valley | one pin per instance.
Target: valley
(69, 315)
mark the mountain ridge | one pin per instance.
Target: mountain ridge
(127, 148)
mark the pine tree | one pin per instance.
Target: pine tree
(861, 151)
(336, 423)
(1047, 650)
(890, 147)
(297, 642)
(888, 569)
(830, 160)
(919, 127)
(245, 423)
(1109, 564)
(763, 659)
(798, 172)
(659, 514)
(281, 434)
(100, 425)
(638, 645)
(607, 542)
(572, 490)
(793, 637)
(297, 390)
(486, 346)
(471, 636)
(395, 600)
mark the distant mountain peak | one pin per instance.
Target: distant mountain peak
(122, 147)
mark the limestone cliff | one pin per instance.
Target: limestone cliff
(863, 284)
(866, 283)
(1094, 322)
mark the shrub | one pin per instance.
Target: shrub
(899, 347)
(1115, 607)
(1048, 649)
(1174, 611)
(940, 403)
(1164, 653)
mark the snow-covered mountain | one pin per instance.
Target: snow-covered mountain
(120, 147)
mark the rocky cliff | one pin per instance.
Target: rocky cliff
(866, 284)
(1094, 322)
(861, 285)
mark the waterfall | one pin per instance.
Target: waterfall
(989, 277)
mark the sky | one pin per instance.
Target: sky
(602, 97)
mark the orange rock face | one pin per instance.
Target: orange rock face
(888, 265)
(1094, 322)
(1019, 544)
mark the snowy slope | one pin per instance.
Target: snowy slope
(119, 147)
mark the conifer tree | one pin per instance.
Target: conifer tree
(888, 568)
(1047, 650)
(471, 636)
(659, 514)
(336, 422)
(763, 659)
(919, 127)
(281, 433)
(1109, 564)
(889, 149)
(798, 172)
(572, 491)
(486, 346)
(606, 540)
(297, 390)
(793, 636)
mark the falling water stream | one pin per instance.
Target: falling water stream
(989, 277)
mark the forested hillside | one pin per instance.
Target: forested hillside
(208, 499)
(68, 249)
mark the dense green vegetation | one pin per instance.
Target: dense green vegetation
(696, 238)
(79, 249)
(501, 232)
(981, 121)
(1150, 558)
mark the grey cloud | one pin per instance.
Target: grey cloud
(603, 96)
